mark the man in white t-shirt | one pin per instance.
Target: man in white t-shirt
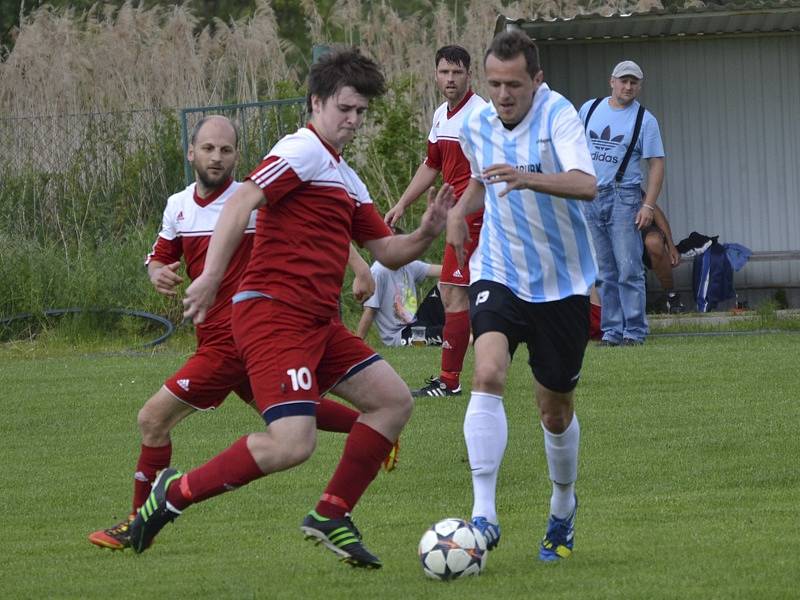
(394, 305)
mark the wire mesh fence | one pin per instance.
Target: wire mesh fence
(96, 175)
(260, 124)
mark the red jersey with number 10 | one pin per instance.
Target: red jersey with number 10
(315, 205)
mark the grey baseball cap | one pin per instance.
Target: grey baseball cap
(627, 67)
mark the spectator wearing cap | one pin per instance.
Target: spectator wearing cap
(623, 206)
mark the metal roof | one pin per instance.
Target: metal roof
(713, 19)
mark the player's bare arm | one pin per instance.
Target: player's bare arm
(227, 235)
(457, 231)
(655, 178)
(367, 317)
(363, 282)
(397, 250)
(423, 179)
(572, 184)
(164, 278)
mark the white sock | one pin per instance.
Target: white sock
(486, 434)
(562, 461)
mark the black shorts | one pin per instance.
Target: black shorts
(430, 315)
(556, 333)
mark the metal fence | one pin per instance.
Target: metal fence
(75, 177)
(79, 177)
(93, 142)
(261, 124)
(99, 143)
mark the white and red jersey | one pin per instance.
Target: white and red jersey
(315, 205)
(186, 229)
(444, 148)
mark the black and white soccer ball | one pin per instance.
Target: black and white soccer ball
(451, 549)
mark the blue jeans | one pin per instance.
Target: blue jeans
(618, 246)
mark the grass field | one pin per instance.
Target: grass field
(688, 483)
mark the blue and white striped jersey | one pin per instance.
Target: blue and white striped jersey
(535, 244)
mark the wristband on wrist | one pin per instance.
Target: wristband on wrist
(648, 206)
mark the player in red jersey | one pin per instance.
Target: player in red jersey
(214, 370)
(445, 156)
(311, 204)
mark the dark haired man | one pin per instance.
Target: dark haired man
(285, 316)
(531, 274)
(214, 370)
(445, 155)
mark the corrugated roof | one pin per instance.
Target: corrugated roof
(713, 19)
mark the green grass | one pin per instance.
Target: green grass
(688, 483)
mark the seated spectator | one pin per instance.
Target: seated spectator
(395, 308)
(661, 255)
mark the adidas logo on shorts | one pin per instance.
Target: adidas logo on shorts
(184, 384)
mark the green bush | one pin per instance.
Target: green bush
(42, 275)
(387, 157)
(77, 237)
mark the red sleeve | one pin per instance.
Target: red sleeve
(434, 157)
(368, 224)
(165, 251)
(275, 178)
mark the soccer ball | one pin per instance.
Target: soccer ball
(452, 548)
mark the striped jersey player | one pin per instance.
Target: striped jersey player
(531, 275)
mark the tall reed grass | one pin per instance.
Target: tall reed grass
(107, 59)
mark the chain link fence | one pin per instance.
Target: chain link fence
(97, 175)
(260, 124)
(95, 142)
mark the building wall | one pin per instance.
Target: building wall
(729, 111)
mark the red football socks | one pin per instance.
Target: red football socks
(364, 452)
(455, 343)
(151, 461)
(335, 416)
(227, 471)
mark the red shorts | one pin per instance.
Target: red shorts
(294, 358)
(211, 373)
(451, 272)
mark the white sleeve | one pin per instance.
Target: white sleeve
(419, 270)
(169, 230)
(379, 275)
(569, 140)
(437, 115)
(468, 148)
(305, 157)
